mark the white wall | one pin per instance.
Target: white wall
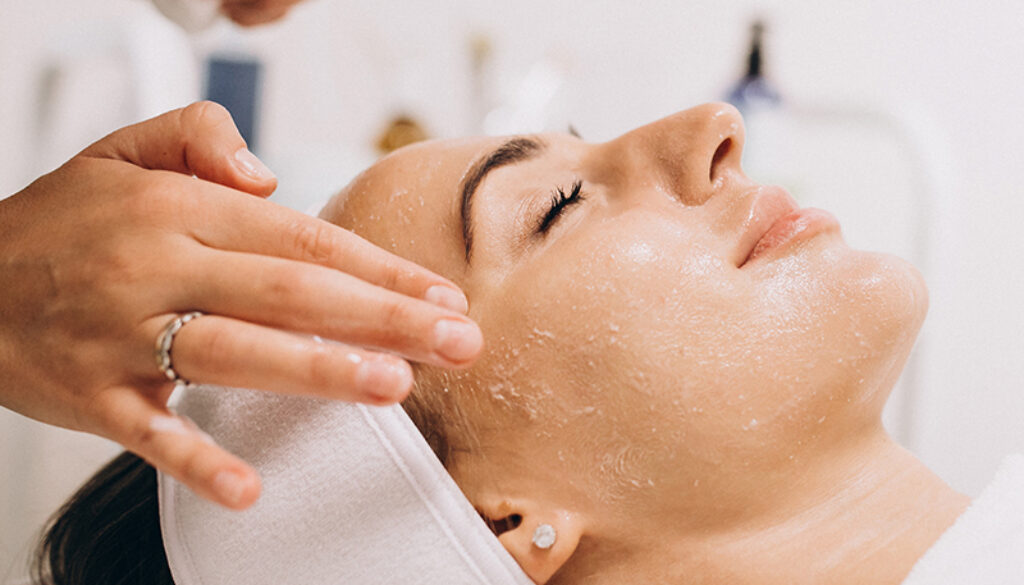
(337, 68)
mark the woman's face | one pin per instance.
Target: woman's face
(635, 348)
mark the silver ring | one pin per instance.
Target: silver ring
(165, 340)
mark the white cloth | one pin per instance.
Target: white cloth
(985, 546)
(351, 494)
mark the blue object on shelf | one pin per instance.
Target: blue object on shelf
(234, 82)
(754, 90)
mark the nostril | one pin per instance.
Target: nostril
(720, 153)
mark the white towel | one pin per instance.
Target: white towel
(351, 494)
(985, 546)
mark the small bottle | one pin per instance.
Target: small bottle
(754, 91)
(767, 152)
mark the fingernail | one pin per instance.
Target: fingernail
(447, 297)
(383, 378)
(252, 166)
(229, 486)
(457, 340)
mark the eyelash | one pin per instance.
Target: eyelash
(559, 201)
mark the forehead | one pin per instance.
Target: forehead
(409, 202)
(433, 169)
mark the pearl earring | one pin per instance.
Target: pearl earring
(544, 536)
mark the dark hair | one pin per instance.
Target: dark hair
(108, 533)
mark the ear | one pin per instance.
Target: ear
(515, 523)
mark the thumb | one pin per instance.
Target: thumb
(200, 139)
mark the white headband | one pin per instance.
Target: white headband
(351, 494)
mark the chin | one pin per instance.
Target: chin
(903, 291)
(893, 301)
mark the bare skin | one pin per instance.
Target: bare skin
(676, 412)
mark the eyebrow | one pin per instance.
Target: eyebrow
(511, 152)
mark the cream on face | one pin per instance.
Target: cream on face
(630, 351)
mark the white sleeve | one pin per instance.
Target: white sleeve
(191, 15)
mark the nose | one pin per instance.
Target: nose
(694, 154)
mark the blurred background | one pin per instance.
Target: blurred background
(900, 117)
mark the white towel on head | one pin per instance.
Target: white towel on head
(351, 494)
(985, 546)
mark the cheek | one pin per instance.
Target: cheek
(612, 321)
(596, 347)
(655, 300)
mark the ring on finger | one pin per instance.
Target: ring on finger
(164, 342)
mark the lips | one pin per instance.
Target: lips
(769, 205)
(775, 219)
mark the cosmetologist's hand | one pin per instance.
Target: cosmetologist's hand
(97, 257)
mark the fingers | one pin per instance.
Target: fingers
(175, 446)
(311, 299)
(199, 140)
(219, 350)
(242, 224)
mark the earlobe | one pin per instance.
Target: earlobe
(541, 541)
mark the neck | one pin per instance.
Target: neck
(864, 515)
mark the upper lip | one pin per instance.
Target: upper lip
(768, 205)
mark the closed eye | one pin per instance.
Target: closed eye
(560, 200)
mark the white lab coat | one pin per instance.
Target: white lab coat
(191, 15)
